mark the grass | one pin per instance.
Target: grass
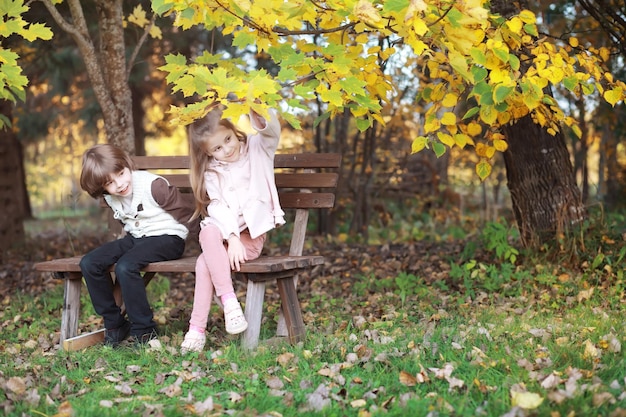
(551, 344)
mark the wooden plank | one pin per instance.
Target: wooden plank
(83, 341)
(71, 305)
(307, 160)
(255, 292)
(306, 180)
(291, 310)
(306, 200)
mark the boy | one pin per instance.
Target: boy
(156, 221)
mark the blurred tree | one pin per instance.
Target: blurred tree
(12, 88)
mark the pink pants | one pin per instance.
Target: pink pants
(213, 270)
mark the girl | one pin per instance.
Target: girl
(156, 220)
(232, 177)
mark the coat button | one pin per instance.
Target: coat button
(136, 224)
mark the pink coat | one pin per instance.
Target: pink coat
(243, 193)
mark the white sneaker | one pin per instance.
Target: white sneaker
(194, 342)
(234, 317)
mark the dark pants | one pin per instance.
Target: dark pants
(130, 255)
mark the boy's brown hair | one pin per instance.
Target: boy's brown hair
(100, 162)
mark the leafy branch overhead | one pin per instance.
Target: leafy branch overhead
(481, 71)
(12, 81)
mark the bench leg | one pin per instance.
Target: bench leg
(71, 304)
(281, 327)
(291, 309)
(255, 293)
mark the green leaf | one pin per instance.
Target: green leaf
(483, 169)
(479, 73)
(160, 6)
(514, 62)
(470, 113)
(439, 149)
(501, 93)
(287, 74)
(531, 29)
(293, 120)
(395, 5)
(363, 123)
(243, 39)
(353, 85)
(304, 91)
(570, 82)
(478, 56)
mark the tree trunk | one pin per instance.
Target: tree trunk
(106, 67)
(544, 195)
(12, 186)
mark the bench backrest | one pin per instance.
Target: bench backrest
(304, 181)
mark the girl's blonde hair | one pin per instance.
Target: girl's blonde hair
(100, 162)
(199, 131)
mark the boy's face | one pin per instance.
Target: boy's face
(223, 145)
(120, 183)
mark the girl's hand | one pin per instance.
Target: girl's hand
(236, 253)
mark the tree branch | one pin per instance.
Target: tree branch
(133, 56)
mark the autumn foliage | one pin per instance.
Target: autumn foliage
(483, 71)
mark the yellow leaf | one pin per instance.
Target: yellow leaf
(450, 100)
(364, 10)
(446, 139)
(591, 351)
(461, 140)
(488, 114)
(573, 42)
(419, 143)
(474, 129)
(138, 17)
(605, 54)
(516, 24)
(614, 95)
(527, 16)
(419, 26)
(448, 119)
(500, 145)
(481, 150)
(526, 400)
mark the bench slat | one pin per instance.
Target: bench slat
(187, 264)
(306, 200)
(283, 180)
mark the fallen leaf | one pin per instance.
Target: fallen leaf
(526, 400)
(591, 351)
(16, 384)
(358, 403)
(407, 379)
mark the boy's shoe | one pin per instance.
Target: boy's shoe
(234, 317)
(144, 338)
(194, 342)
(113, 337)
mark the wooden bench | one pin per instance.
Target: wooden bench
(305, 181)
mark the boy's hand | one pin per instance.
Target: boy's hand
(236, 253)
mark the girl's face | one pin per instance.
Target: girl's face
(120, 183)
(223, 145)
